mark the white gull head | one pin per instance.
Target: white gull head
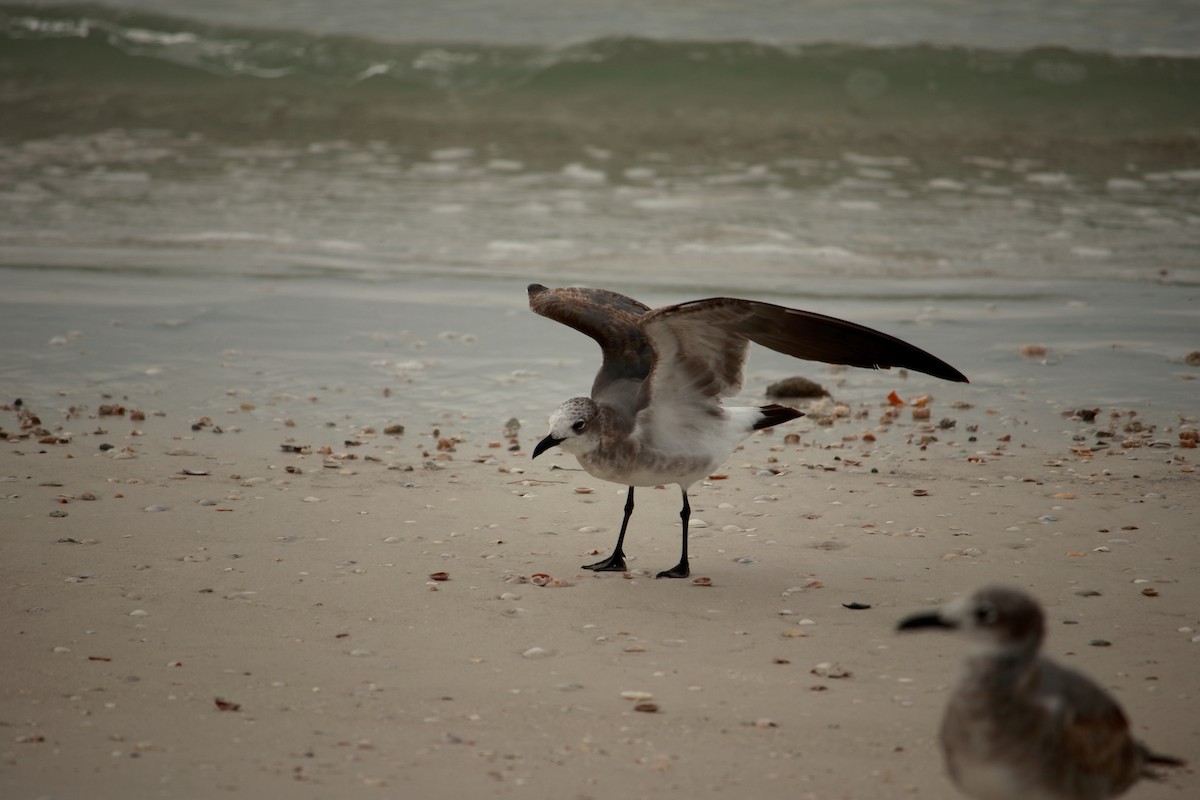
(574, 426)
(998, 620)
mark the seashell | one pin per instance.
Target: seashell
(827, 669)
(539, 579)
(439, 576)
(702, 582)
(225, 705)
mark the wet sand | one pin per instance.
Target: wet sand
(229, 617)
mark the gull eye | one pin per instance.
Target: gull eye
(986, 615)
(579, 426)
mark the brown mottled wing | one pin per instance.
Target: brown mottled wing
(614, 321)
(814, 337)
(1093, 730)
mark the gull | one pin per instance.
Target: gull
(655, 414)
(1020, 727)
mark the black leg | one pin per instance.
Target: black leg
(681, 570)
(616, 562)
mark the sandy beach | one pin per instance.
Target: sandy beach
(224, 601)
(269, 385)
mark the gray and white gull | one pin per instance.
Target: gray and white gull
(655, 414)
(1019, 726)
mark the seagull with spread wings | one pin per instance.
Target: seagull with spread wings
(655, 414)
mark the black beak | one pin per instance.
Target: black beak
(544, 445)
(923, 621)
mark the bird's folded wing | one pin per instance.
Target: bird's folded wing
(1094, 731)
(804, 334)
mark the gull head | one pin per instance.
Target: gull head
(999, 620)
(574, 427)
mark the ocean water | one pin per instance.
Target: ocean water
(295, 201)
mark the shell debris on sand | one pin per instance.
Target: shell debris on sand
(829, 669)
(544, 580)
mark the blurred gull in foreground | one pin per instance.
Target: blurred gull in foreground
(1019, 726)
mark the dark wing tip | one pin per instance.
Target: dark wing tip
(1158, 758)
(940, 369)
(535, 288)
(814, 337)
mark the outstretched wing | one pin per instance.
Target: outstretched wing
(614, 321)
(811, 336)
(697, 358)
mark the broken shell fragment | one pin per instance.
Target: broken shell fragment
(828, 669)
(542, 579)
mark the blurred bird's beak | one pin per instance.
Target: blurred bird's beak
(916, 621)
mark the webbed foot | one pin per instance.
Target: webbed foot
(614, 563)
(680, 570)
